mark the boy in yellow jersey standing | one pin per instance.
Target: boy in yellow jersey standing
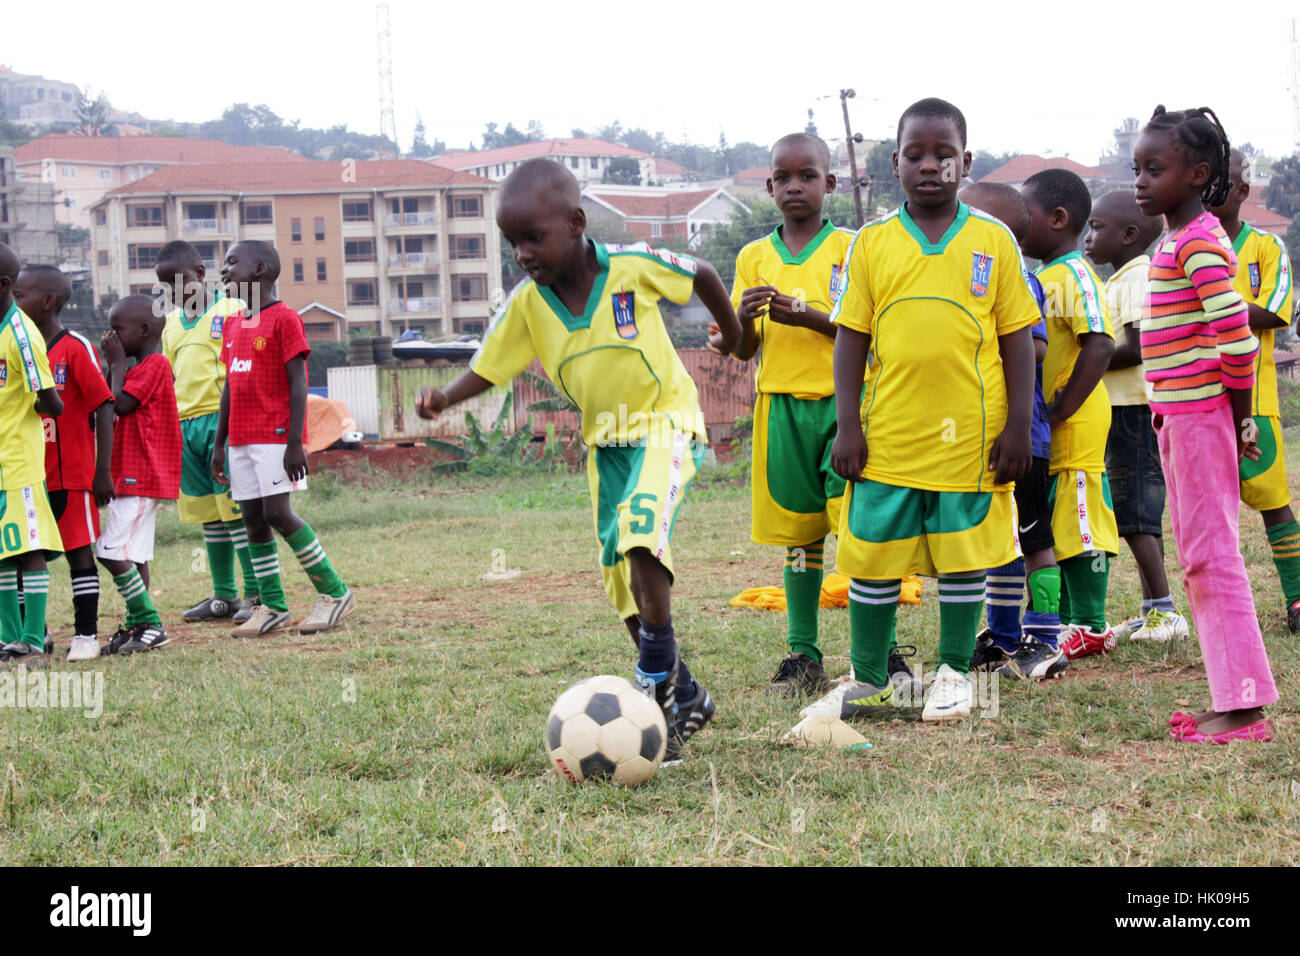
(1080, 341)
(1264, 282)
(589, 313)
(783, 296)
(28, 529)
(935, 290)
(192, 340)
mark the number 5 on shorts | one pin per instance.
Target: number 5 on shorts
(644, 520)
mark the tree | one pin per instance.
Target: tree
(494, 138)
(879, 165)
(624, 171)
(1283, 192)
(92, 115)
(1292, 240)
(420, 147)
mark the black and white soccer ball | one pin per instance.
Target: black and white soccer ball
(605, 728)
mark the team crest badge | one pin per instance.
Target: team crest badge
(835, 283)
(61, 375)
(217, 323)
(1255, 283)
(624, 314)
(259, 343)
(980, 270)
(4, 372)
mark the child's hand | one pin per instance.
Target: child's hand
(787, 310)
(218, 464)
(111, 346)
(1011, 456)
(753, 302)
(849, 455)
(1248, 440)
(714, 344)
(431, 401)
(102, 488)
(295, 461)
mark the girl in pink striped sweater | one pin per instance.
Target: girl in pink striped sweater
(1199, 355)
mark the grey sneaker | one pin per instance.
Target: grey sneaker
(327, 613)
(20, 652)
(862, 699)
(245, 610)
(210, 609)
(263, 621)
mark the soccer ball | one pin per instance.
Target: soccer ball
(605, 728)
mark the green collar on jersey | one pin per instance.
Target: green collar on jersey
(13, 307)
(1075, 254)
(929, 248)
(576, 322)
(1241, 239)
(187, 325)
(806, 252)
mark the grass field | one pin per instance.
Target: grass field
(414, 734)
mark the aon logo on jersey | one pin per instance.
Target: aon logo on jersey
(241, 365)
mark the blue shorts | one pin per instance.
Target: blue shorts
(1137, 482)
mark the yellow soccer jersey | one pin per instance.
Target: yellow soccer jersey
(792, 360)
(24, 371)
(615, 360)
(935, 394)
(194, 349)
(1075, 305)
(1264, 279)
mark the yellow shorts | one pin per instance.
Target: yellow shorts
(202, 499)
(27, 523)
(889, 532)
(636, 494)
(795, 495)
(1263, 483)
(1082, 516)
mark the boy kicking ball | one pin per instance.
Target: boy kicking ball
(263, 419)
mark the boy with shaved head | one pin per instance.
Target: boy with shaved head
(78, 444)
(589, 312)
(1119, 235)
(1264, 281)
(28, 530)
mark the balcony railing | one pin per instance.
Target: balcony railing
(411, 219)
(413, 260)
(205, 225)
(426, 306)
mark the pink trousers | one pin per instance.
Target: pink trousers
(1198, 452)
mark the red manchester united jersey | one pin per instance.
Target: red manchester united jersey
(70, 438)
(257, 347)
(147, 442)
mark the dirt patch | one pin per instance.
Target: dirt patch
(1178, 674)
(399, 461)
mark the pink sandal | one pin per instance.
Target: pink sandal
(1260, 730)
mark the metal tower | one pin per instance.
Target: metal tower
(387, 122)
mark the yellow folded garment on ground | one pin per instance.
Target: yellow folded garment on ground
(835, 593)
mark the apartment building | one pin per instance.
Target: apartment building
(81, 169)
(26, 215)
(31, 100)
(380, 245)
(587, 159)
(653, 213)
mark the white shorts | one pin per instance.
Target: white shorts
(127, 535)
(257, 471)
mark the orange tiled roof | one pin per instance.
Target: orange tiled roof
(754, 174)
(471, 159)
(1019, 168)
(145, 149)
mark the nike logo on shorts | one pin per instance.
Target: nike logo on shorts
(1026, 528)
(277, 481)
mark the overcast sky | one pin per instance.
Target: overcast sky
(1052, 78)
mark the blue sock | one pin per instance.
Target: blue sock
(658, 650)
(1004, 593)
(1146, 606)
(1165, 603)
(1043, 625)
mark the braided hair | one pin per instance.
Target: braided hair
(1203, 139)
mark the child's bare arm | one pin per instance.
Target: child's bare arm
(295, 456)
(791, 311)
(432, 400)
(1012, 452)
(849, 452)
(102, 484)
(49, 403)
(218, 465)
(715, 298)
(1095, 349)
(124, 403)
(1129, 353)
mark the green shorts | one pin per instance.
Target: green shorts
(795, 494)
(203, 499)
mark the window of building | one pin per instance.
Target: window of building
(359, 250)
(363, 292)
(295, 230)
(69, 172)
(320, 270)
(656, 229)
(358, 211)
(297, 270)
(595, 162)
(141, 256)
(66, 96)
(468, 247)
(142, 288)
(101, 217)
(573, 161)
(103, 257)
(255, 213)
(320, 229)
(465, 207)
(142, 216)
(469, 288)
(105, 173)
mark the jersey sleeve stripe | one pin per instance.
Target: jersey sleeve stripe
(1282, 282)
(29, 357)
(1092, 310)
(844, 277)
(654, 255)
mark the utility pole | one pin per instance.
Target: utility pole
(850, 139)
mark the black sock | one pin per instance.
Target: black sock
(85, 601)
